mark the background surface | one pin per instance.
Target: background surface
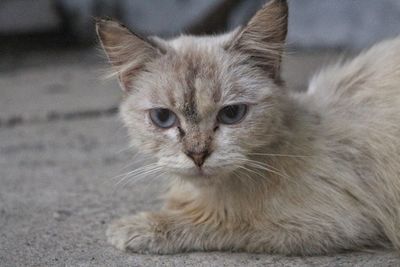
(63, 151)
(313, 23)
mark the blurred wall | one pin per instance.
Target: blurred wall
(343, 23)
(21, 16)
(313, 23)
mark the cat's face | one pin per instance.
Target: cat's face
(201, 110)
(200, 105)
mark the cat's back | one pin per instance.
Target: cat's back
(358, 103)
(359, 99)
(369, 81)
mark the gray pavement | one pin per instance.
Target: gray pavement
(59, 174)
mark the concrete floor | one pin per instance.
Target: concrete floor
(61, 151)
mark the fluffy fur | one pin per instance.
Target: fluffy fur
(303, 174)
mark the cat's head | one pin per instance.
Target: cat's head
(201, 105)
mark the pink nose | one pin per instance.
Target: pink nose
(198, 157)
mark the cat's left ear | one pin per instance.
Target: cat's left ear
(263, 38)
(127, 51)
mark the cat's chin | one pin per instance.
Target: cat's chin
(198, 173)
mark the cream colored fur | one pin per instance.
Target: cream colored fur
(303, 174)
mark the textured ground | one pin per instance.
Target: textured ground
(61, 148)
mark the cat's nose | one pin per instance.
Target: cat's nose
(198, 157)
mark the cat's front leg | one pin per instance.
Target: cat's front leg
(142, 233)
(164, 233)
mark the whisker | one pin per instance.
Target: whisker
(133, 171)
(279, 155)
(258, 163)
(147, 174)
(139, 171)
(264, 167)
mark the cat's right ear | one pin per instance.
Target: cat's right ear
(127, 51)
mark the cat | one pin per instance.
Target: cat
(256, 167)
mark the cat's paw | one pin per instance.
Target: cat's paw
(138, 233)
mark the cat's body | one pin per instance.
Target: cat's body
(301, 173)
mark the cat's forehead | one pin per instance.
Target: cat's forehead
(191, 81)
(196, 79)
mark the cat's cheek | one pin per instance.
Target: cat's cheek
(223, 138)
(171, 134)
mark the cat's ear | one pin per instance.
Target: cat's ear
(263, 38)
(127, 51)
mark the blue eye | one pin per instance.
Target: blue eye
(163, 118)
(232, 114)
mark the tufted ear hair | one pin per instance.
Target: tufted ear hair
(263, 38)
(128, 52)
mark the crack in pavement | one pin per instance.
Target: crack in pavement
(53, 116)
